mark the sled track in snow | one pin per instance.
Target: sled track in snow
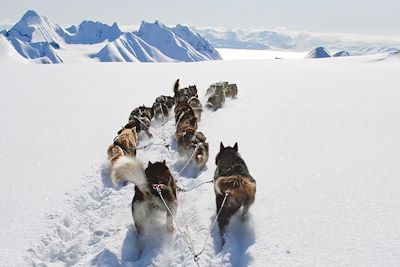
(98, 230)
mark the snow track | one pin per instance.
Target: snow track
(98, 230)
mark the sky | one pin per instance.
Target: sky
(351, 16)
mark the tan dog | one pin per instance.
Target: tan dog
(124, 145)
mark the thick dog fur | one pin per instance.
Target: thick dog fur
(217, 99)
(141, 112)
(184, 94)
(124, 145)
(214, 86)
(162, 106)
(195, 104)
(142, 125)
(231, 91)
(187, 143)
(191, 143)
(146, 199)
(232, 176)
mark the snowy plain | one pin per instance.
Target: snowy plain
(319, 136)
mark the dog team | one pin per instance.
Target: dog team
(234, 187)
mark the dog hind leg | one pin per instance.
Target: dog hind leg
(139, 216)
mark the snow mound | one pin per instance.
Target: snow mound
(7, 51)
(33, 27)
(171, 45)
(41, 52)
(392, 56)
(341, 54)
(130, 48)
(319, 52)
(196, 41)
(90, 32)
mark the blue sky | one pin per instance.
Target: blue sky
(355, 16)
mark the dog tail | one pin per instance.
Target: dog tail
(128, 169)
(245, 184)
(176, 86)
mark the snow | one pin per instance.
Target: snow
(33, 27)
(160, 36)
(284, 39)
(36, 38)
(323, 150)
(196, 41)
(341, 54)
(90, 32)
(240, 54)
(130, 48)
(8, 52)
(36, 51)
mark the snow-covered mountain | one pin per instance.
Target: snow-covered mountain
(130, 48)
(196, 41)
(39, 52)
(341, 54)
(33, 27)
(170, 44)
(319, 52)
(90, 32)
(36, 38)
(8, 52)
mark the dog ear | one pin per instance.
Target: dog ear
(150, 163)
(221, 146)
(134, 130)
(164, 162)
(120, 131)
(235, 147)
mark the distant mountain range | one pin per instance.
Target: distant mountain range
(39, 40)
(298, 41)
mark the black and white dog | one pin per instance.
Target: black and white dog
(147, 199)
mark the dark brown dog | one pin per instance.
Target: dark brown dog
(141, 112)
(162, 106)
(147, 200)
(184, 94)
(232, 177)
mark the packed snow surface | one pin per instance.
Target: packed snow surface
(319, 136)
